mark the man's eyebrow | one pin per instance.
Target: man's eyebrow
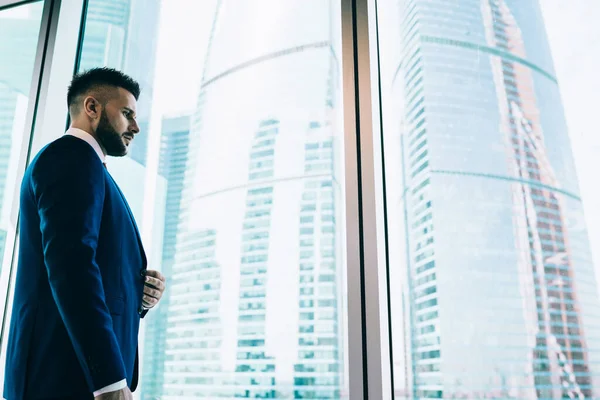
(129, 110)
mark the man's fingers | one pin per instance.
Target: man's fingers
(156, 274)
(157, 283)
(153, 288)
(149, 302)
(157, 294)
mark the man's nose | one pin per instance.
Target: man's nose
(134, 127)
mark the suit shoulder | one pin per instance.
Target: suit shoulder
(66, 150)
(67, 159)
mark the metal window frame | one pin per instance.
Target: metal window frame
(369, 340)
(4, 4)
(369, 358)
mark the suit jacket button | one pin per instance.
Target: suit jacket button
(140, 310)
(143, 272)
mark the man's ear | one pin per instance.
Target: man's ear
(92, 107)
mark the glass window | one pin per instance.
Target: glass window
(487, 240)
(236, 181)
(19, 29)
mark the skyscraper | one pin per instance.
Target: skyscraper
(194, 331)
(500, 286)
(174, 152)
(319, 366)
(256, 308)
(255, 368)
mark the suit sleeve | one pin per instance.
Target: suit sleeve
(69, 190)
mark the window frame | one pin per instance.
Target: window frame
(5, 4)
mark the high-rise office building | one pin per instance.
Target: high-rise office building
(320, 287)
(256, 308)
(501, 293)
(106, 27)
(194, 333)
(174, 152)
(255, 368)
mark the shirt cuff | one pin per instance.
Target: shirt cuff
(111, 388)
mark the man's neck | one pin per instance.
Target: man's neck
(91, 133)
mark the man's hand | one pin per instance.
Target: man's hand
(123, 394)
(154, 287)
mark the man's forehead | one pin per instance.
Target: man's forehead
(114, 95)
(125, 99)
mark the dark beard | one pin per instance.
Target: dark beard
(110, 139)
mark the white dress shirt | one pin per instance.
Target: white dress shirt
(89, 139)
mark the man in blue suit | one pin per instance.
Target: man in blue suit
(82, 284)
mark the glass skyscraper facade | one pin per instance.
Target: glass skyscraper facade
(255, 309)
(173, 158)
(500, 297)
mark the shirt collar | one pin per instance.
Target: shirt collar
(83, 135)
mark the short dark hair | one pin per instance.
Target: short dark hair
(97, 78)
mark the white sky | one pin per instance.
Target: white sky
(574, 34)
(184, 30)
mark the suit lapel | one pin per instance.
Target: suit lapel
(137, 232)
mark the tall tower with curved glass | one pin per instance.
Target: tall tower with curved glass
(502, 295)
(255, 309)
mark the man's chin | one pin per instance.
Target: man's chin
(120, 153)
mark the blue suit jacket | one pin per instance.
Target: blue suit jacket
(79, 285)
